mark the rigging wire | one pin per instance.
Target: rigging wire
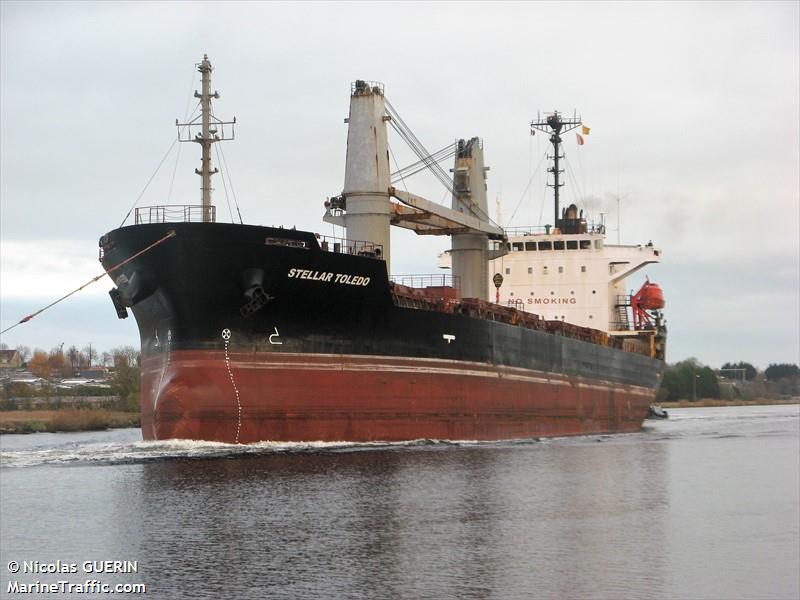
(408, 136)
(146, 185)
(224, 164)
(185, 120)
(418, 166)
(541, 205)
(178, 155)
(174, 171)
(170, 233)
(530, 172)
(416, 145)
(402, 179)
(582, 172)
(423, 154)
(230, 181)
(530, 181)
(439, 156)
(574, 189)
(571, 173)
(224, 185)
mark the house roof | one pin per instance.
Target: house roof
(7, 355)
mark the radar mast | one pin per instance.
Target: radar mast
(555, 125)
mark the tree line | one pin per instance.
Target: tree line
(123, 364)
(691, 380)
(67, 363)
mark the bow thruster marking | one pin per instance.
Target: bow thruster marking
(226, 335)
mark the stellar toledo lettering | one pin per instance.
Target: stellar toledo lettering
(341, 278)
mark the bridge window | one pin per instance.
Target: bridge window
(572, 244)
(586, 244)
(516, 246)
(545, 245)
(530, 246)
(558, 245)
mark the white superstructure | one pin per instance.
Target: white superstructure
(564, 272)
(576, 278)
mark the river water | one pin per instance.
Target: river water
(703, 505)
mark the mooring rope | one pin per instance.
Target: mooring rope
(170, 233)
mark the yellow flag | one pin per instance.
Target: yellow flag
(585, 129)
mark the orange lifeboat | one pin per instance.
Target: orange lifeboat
(651, 297)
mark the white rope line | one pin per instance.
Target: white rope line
(226, 335)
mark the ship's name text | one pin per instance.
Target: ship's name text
(341, 278)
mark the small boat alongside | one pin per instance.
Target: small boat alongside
(656, 412)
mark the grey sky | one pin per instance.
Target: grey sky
(693, 108)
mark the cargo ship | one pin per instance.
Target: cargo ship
(252, 333)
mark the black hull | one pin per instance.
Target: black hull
(260, 290)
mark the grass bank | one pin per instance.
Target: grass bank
(68, 419)
(705, 402)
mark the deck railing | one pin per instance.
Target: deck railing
(329, 243)
(590, 228)
(176, 213)
(427, 280)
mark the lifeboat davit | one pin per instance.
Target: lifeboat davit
(651, 297)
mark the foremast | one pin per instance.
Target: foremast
(211, 130)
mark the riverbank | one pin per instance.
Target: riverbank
(708, 402)
(69, 419)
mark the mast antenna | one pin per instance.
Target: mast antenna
(554, 125)
(206, 129)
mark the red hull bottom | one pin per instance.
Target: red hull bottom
(248, 397)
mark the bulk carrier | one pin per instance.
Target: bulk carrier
(252, 333)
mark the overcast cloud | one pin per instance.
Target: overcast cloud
(694, 110)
